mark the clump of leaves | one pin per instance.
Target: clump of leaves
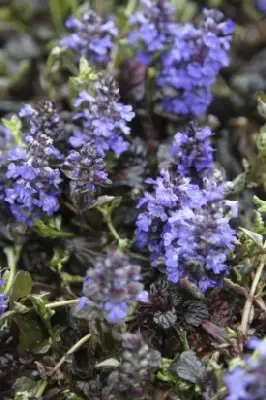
(169, 310)
(256, 170)
(251, 240)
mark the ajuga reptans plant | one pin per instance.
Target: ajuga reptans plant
(91, 37)
(113, 285)
(188, 58)
(137, 367)
(102, 118)
(34, 181)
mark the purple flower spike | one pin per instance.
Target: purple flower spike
(91, 37)
(184, 228)
(103, 118)
(192, 63)
(33, 185)
(192, 152)
(114, 285)
(85, 169)
(137, 367)
(154, 28)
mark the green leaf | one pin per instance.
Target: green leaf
(68, 278)
(60, 257)
(164, 373)
(40, 307)
(189, 367)
(19, 308)
(41, 348)
(22, 286)
(84, 78)
(236, 362)
(260, 204)
(109, 363)
(52, 229)
(46, 314)
(239, 184)
(54, 57)
(25, 388)
(103, 201)
(86, 71)
(14, 125)
(106, 204)
(30, 333)
(256, 237)
(71, 396)
(262, 105)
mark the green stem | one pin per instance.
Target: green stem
(99, 8)
(8, 314)
(62, 303)
(41, 389)
(123, 244)
(111, 227)
(72, 350)
(243, 292)
(108, 220)
(138, 256)
(249, 301)
(221, 393)
(12, 254)
(131, 5)
(48, 326)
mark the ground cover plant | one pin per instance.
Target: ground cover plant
(133, 200)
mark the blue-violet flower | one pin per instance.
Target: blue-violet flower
(113, 285)
(248, 382)
(33, 182)
(137, 367)
(103, 118)
(192, 152)
(91, 38)
(86, 170)
(186, 229)
(154, 28)
(192, 63)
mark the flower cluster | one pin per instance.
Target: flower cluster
(191, 65)
(113, 285)
(137, 367)
(102, 117)
(33, 182)
(185, 228)
(154, 28)
(85, 169)
(248, 382)
(169, 191)
(192, 152)
(91, 37)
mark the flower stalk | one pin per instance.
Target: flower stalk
(250, 299)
